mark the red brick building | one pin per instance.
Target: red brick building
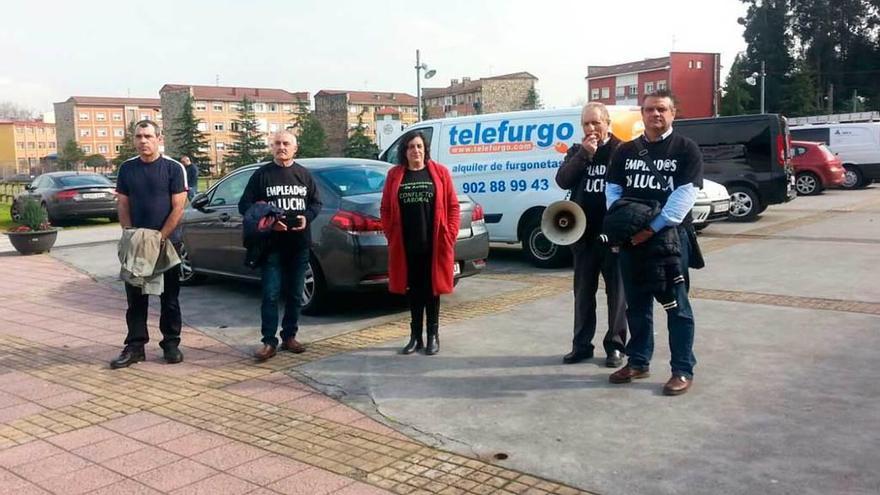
(693, 77)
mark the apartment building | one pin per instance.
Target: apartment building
(504, 93)
(338, 111)
(98, 123)
(218, 107)
(694, 78)
(25, 146)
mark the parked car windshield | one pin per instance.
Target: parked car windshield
(83, 180)
(350, 181)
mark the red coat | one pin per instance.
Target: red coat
(446, 223)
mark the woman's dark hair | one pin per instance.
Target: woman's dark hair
(404, 142)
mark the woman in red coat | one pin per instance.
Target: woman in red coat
(420, 216)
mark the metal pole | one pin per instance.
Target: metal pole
(763, 76)
(855, 100)
(419, 85)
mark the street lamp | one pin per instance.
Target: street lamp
(429, 73)
(752, 80)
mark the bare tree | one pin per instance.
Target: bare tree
(13, 111)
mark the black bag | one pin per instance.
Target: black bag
(695, 257)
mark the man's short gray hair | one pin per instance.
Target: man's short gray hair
(603, 110)
(288, 132)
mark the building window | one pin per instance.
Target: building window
(86, 148)
(145, 116)
(690, 64)
(661, 84)
(633, 89)
(218, 126)
(100, 116)
(41, 145)
(273, 107)
(119, 132)
(594, 93)
(235, 107)
(102, 131)
(274, 127)
(606, 93)
(51, 145)
(31, 145)
(85, 132)
(699, 64)
(83, 116)
(200, 106)
(203, 127)
(19, 145)
(217, 106)
(620, 91)
(117, 117)
(287, 108)
(259, 107)
(233, 126)
(649, 87)
(220, 146)
(102, 148)
(118, 147)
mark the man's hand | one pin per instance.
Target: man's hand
(641, 236)
(301, 223)
(590, 145)
(279, 226)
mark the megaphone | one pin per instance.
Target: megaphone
(563, 222)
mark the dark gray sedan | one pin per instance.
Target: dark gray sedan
(69, 195)
(349, 250)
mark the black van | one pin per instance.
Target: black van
(748, 154)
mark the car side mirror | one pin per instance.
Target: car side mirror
(199, 201)
(29, 188)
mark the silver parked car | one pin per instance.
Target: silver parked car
(349, 250)
(68, 195)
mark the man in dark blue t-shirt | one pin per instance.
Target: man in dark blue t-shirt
(151, 189)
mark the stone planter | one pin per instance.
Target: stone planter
(33, 242)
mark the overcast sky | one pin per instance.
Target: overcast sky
(57, 49)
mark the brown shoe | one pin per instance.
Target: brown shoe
(627, 374)
(265, 352)
(293, 346)
(677, 385)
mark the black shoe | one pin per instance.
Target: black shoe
(614, 359)
(577, 356)
(128, 357)
(433, 346)
(173, 355)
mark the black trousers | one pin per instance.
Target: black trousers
(590, 259)
(169, 319)
(421, 290)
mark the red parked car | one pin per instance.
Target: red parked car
(815, 167)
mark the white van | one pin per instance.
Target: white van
(856, 144)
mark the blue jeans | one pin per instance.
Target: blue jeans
(679, 320)
(288, 271)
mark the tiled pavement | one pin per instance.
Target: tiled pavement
(216, 424)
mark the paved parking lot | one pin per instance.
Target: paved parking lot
(787, 315)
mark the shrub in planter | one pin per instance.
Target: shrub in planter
(33, 234)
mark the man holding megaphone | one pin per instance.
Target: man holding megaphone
(583, 173)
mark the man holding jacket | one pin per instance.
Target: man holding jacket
(583, 173)
(290, 187)
(672, 183)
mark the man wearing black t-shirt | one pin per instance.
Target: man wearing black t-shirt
(289, 186)
(151, 190)
(679, 163)
(583, 173)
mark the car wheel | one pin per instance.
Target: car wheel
(539, 250)
(188, 276)
(807, 184)
(853, 177)
(314, 290)
(744, 204)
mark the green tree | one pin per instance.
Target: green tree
(769, 39)
(188, 139)
(533, 100)
(311, 138)
(737, 99)
(126, 147)
(359, 145)
(249, 144)
(71, 156)
(95, 161)
(800, 93)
